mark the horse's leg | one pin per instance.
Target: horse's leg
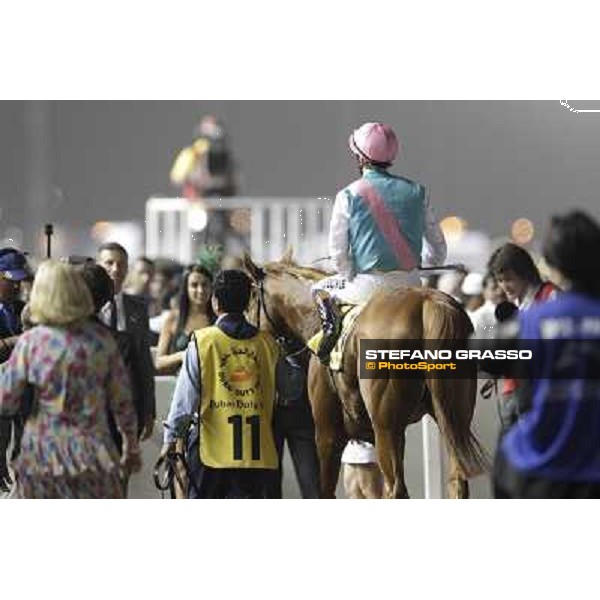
(330, 437)
(389, 412)
(352, 487)
(389, 444)
(390, 455)
(457, 486)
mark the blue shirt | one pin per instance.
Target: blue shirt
(559, 438)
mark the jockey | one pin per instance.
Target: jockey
(378, 225)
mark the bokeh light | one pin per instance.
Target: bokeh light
(522, 231)
(453, 227)
(198, 217)
(240, 220)
(101, 230)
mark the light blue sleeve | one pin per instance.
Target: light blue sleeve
(186, 395)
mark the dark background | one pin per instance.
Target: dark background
(77, 162)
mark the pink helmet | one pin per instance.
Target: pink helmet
(376, 142)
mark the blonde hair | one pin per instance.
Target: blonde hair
(59, 295)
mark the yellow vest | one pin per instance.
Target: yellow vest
(236, 403)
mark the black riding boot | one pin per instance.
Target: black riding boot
(331, 322)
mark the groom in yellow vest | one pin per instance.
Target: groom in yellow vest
(229, 379)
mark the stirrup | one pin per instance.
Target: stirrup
(324, 355)
(328, 342)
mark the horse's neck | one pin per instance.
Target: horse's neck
(301, 315)
(309, 327)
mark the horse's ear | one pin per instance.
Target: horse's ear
(254, 271)
(288, 257)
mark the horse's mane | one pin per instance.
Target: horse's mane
(290, 267)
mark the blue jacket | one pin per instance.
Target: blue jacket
(559, 438)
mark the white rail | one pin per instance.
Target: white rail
(275, 224)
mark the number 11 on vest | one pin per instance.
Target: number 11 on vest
(254, 423)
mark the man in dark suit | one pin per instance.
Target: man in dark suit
(293, 423)
(130, 314)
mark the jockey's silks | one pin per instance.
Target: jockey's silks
(397, 199)
(237, 398)
(559, 437)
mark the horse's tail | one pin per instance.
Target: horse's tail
(445, 323)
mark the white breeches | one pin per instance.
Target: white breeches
(361, 286)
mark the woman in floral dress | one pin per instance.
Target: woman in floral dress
(76, 372)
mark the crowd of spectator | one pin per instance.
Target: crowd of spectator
(82, 341)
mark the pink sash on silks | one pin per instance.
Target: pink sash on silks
(387, 223)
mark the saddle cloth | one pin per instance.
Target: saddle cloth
(350, 313)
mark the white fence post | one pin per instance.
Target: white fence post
(276, 239)
(293, 226)
(433, 470)
(257, 227)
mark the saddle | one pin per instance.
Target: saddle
(350, 313)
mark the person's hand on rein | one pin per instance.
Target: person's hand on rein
(166, 449)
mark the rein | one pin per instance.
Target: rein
(283, 341)
(169, 463)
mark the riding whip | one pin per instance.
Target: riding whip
(450, 267)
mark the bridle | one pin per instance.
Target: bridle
(284, 341)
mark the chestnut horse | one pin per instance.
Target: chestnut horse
(376, 410)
